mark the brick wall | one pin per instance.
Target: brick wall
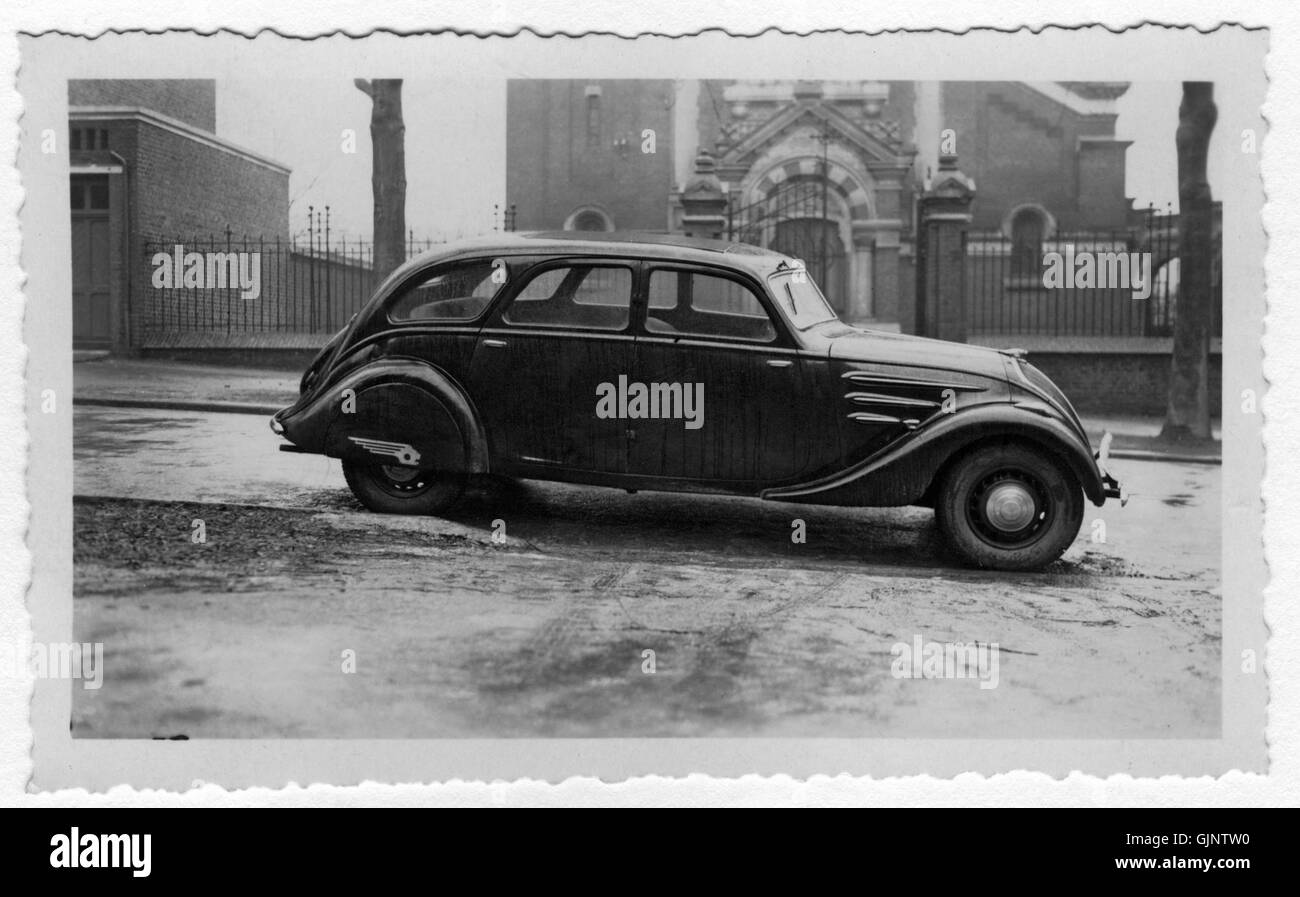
(186, 186)
(193, 101)
(1118, 383)
(180, 186)
(551, 168)
(1022, 147)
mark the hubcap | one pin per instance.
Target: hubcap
(403, 482)
(1010, 507)
(401, 475)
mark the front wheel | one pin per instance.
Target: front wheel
(1009, 507)
(393, 489)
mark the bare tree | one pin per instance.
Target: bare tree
(1188, 414)
(388, 171)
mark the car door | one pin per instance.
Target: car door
(722, 379)
(540, 359)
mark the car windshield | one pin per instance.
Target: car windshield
(800, 299)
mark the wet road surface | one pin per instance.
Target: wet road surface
(547, 634)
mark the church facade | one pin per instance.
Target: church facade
(827, 171)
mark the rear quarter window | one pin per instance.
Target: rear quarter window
(460, 291)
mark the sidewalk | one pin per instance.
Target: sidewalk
(1138, 438)
(176, 386)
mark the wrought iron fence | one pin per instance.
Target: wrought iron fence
(504, 218)
(224, 284)
(1082, 283)
(794, 219)
(192, 286)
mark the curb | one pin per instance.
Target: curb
(1142, 455)
(267, 410)
(180, 405)
(437, 527)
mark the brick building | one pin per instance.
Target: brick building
(574, 157)
(925, 207)
(827, 171)
(147, 164)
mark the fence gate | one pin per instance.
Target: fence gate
(793, 220)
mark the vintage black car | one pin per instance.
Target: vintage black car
(650, 362)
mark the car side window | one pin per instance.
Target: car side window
(691, 303)
(459, 291)
(593, 297)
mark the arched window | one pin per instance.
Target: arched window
(588, 218)
(1028, 231)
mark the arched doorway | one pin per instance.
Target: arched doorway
(806, 218)
(817, 242)
(817, 203)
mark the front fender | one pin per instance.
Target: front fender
(394, 410)
(902, 472)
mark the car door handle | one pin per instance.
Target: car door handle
(495, 343)
(778, 363)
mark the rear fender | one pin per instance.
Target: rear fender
(393, 411)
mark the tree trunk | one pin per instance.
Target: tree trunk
(388, 171)
(1188, 414)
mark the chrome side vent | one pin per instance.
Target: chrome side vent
(866, 378)
(866, 417)
(875, 398)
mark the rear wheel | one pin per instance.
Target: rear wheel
(1009, 507)
(394, 489)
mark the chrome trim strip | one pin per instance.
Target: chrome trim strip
(875, 398)
(870, 379)
(864, 417)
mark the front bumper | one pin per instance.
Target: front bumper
(1112, 486)
(277, 427)
(1114, 489)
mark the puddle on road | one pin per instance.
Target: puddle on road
(94, 433)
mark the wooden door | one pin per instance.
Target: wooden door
(92, 314)
(817, 243)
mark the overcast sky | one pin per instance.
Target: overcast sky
(455, 147)
(1148, 116)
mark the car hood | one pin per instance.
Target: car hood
(879, 347)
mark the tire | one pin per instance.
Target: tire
(1009, 507)
(393, 489)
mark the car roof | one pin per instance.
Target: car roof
(670, 247)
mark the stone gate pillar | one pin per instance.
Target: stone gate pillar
(704, 205)
(941, 264)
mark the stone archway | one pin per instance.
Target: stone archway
(814, 207)
(772, 135)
